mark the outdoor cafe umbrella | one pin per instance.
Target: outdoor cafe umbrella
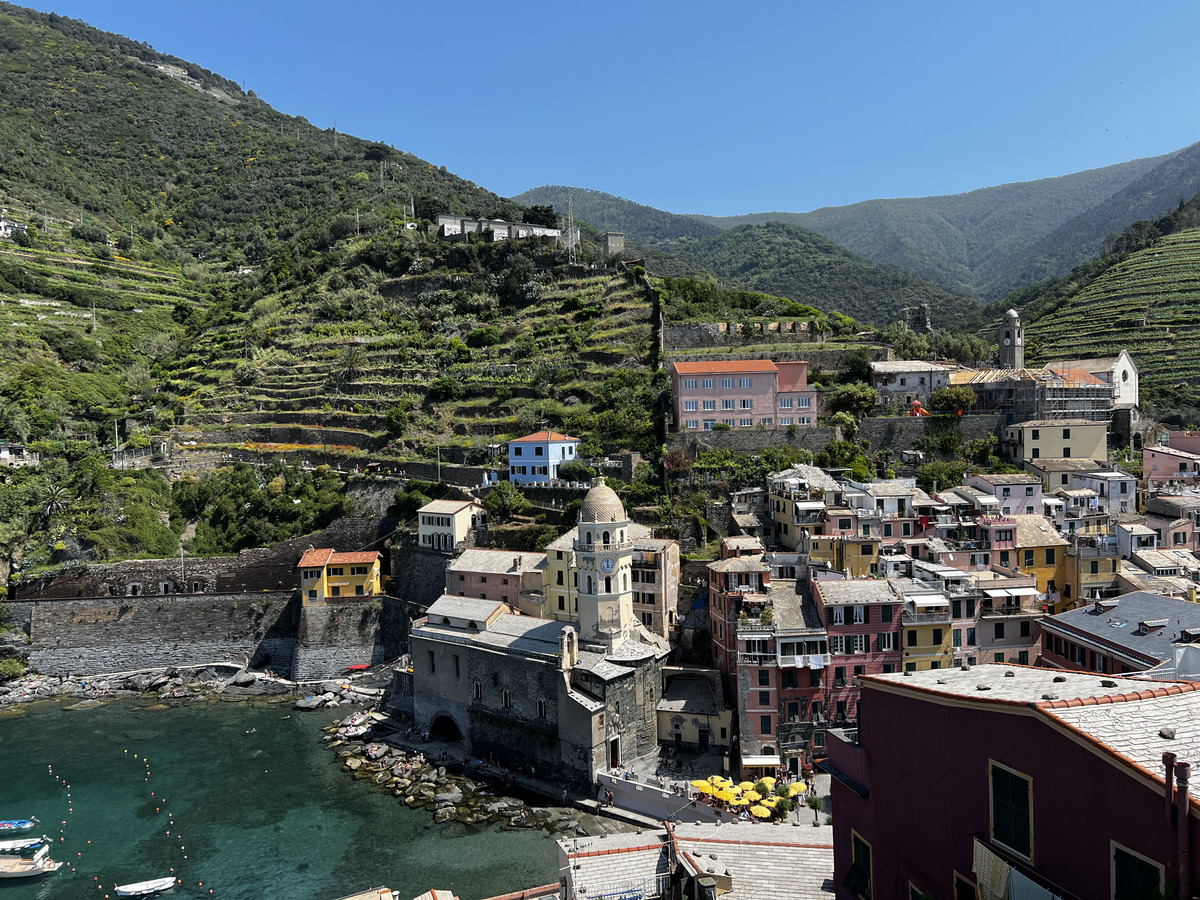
(797, 788)
(726, 795)
(760, 812)
(740, 801)
(769, 779)
(747, 785)
(703, 787)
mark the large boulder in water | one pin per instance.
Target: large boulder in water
(310, 703)
(244, 679)
(454, 795)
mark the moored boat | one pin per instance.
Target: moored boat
(20, 845)
(26, 866)
(16, 826)
(145, 888)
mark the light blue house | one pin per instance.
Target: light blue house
(535, 458)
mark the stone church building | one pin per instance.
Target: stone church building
(572, 699)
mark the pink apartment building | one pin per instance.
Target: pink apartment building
(741, 394)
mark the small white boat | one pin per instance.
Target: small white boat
(21, 844)
(145, 888)
(25, 866)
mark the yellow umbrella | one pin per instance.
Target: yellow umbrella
(705, 788)
(725, 795)
(769, 779)
(797, 788)
(740, 801)
(747, 785)
(718, 780)
(760, 812)
(769, 801)
(699, 784)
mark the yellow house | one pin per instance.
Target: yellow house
(925, 622)
(855, 556)
(1057, 439)
(326, 575)
(1033, 545)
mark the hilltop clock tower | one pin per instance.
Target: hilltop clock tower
(1012, 341)
(604, 555)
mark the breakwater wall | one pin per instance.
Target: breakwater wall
(273, 630)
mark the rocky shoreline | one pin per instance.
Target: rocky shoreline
(447, 791)
(181, 685)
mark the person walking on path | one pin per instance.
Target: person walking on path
(564, 797)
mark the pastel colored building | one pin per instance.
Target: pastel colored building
(741, 394)
(1160, 464)
(1014, 492)
(907, 380)
(328, 576)
(535, 458)
(444, 524)
(1048, 784)
(1057, 439)
(510, 576)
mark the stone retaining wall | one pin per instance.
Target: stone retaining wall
(751, 440)
(119, 634)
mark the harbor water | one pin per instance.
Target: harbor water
(241, 800)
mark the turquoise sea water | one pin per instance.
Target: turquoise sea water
(258, 816)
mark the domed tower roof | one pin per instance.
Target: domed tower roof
(1012, 314)
(602, 505)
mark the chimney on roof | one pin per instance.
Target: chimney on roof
(516, 563)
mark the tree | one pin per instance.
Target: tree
(575, 471)
(396, 421)
(488, 336)
(504, 501)
(857, 367)
(955, 398)
(940, 475)
(541, 215)
(856, 399)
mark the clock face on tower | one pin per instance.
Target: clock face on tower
(607, 565)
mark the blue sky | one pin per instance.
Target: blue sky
(705, 107)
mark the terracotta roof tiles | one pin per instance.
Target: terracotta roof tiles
(725, 366)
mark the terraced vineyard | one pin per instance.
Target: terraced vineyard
(1149, 304)
(284, 377)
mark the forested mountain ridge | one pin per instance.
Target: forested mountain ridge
(790, 261)
(643, 224)
(982, 243)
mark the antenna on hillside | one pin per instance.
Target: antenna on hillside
(571, 236)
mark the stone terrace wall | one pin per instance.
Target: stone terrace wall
(899, 433)
(750, 440)
(99, 635)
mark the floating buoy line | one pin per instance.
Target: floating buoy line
(160, 806)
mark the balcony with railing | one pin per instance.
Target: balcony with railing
(611, 547)
(909, 617)
(757, 659)
(805, 661)
(1011, 611)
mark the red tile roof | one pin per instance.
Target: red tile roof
(541, 436)
(318, 559)
(727, 366)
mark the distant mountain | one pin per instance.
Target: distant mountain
(1175, 179)
(789, 261)
(974, 243)
(643, 224)
(983, 243)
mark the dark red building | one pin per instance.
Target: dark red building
(965, 783)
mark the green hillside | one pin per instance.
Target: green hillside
(974, 243)
(1144, 296)
(642, 224)
(805, 267)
